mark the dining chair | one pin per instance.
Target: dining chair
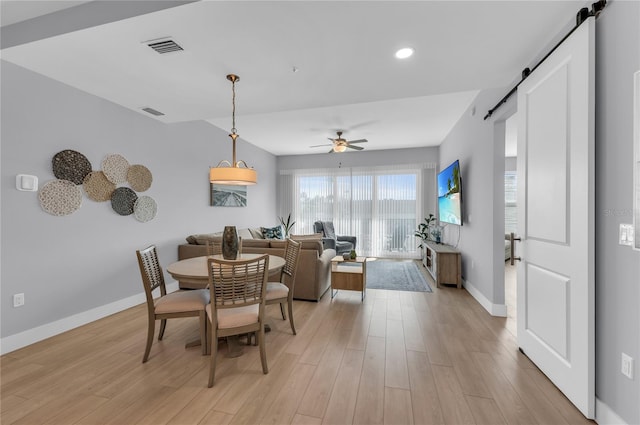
(282, 292)
(237, 291)
(168, 306)
(214, 247)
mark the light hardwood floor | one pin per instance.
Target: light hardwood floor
(397, 358)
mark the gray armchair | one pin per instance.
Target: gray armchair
(341, 244)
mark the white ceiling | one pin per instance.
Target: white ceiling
(348, 78)
(13, 11)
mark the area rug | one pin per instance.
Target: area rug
(398, 275)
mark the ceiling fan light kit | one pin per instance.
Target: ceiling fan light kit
(340, 145)
(235, 172)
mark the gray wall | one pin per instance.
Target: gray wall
(481, 164)
(617, 266)
(67, 265)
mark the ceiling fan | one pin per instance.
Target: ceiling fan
(340, 145)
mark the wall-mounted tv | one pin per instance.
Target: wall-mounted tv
(450, 194)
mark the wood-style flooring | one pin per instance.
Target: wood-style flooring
(397, 358)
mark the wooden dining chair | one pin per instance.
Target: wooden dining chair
(214, 247)
(168, 306)
(282, 292)
(237, 291)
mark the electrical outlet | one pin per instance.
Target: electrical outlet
(627, 366)
(18, 300)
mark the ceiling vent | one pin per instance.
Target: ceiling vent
(164, 46)
(153, 112)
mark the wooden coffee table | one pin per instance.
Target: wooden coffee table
(350, 275)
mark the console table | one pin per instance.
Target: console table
(444, 264)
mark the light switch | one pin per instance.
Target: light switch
(27, 183)
(626, 234)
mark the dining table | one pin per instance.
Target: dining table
(194, 270)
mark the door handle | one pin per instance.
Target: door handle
(513, 238)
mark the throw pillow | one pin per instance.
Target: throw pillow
(256, 232)
(272, 232)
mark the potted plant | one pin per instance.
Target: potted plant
(424, 232)
(286, 225)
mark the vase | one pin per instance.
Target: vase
(230, 243)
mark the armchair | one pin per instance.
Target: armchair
(341, 244)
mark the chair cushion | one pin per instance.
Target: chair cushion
(236, 317)
(276, 290)
(329, 231)
(176, 302)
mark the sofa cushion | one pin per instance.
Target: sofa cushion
(256, 243)
(272, 232)
(278, 244)
(256, 232)
(201, 239)
(244, 234)
(312, 236)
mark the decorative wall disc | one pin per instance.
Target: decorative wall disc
(60, 197)
(98, 187)
(145, 209)
(115, 167)
(122, 200)
(71, 165)
(139, 177)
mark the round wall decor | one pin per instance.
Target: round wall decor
(122, 200)
(145, 209)
(139, 177)
(98, 187)
(60, 197)
(115, 167)
(71, 165)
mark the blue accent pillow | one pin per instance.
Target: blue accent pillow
(272, 232)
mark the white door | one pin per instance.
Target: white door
(556, 314)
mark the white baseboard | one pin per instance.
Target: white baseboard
(31, 336)
(606, 416)
(499, 310)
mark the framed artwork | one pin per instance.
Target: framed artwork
(223, 195)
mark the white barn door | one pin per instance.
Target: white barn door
(556, 313)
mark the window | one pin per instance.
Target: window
(381, 206)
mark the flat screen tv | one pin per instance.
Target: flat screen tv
(450, 194)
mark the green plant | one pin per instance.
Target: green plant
(286, 225)
(423, 231)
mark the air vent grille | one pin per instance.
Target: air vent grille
(165, 46)
(153, 112)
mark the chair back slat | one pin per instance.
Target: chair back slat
(291, 257)
(235, 283)
(152, 275)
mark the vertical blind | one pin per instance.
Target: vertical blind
(381, 206)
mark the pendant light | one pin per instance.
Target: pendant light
(235, 172)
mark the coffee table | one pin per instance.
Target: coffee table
(350, 275)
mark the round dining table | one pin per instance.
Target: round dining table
(194, 270)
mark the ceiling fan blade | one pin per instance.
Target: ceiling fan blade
(358, 148)
(333, 140)
(317, 146)
(331, 151)
(358, 141)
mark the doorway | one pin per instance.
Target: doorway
(510, 218)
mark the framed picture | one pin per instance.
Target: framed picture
(223, 195)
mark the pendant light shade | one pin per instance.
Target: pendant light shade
(234, 172)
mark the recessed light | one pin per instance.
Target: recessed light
(404, 53)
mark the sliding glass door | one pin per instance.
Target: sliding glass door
(381, 206)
